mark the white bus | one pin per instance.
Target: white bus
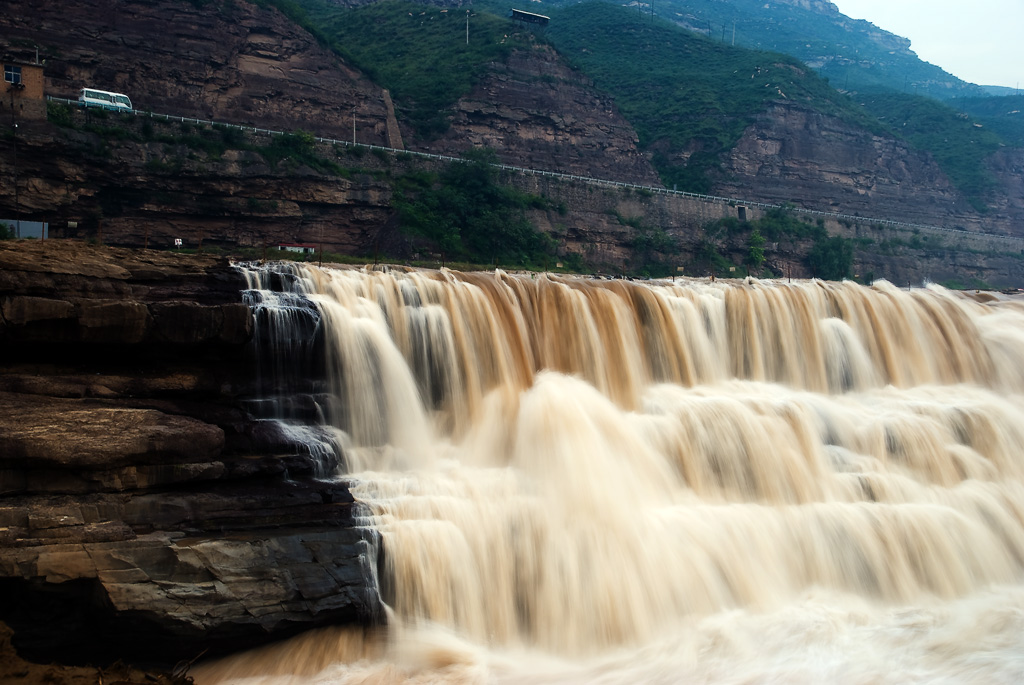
(90, 97)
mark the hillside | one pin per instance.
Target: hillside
(681, 91)
(414, 50)
(689, 97)
(745, 124)
(852, 53)
(959, 144)
(222, 60)
(1004, 115)
(501, 87)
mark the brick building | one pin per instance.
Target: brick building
(21, 94)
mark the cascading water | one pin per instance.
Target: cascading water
(288, 348)
(582, 481)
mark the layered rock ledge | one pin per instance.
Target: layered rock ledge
(145, 513)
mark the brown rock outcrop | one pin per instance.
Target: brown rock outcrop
(145, 513)
(226, 61)
(795, 154)
(1007, 167)
(539, 113)
(136, 192)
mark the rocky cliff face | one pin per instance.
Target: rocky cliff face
(539, 113)
(232, 61)
(138, 192)
(113, 180)
(793, 154)
(1007, 205)
(236, 62)
(144, 511)
(224, 60)
(114, 185)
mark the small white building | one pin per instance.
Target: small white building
(302, 248)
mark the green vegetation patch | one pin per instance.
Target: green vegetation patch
(1001, 115)
(689, 98)
(298, 148)
(466, 213)
(59, 114)
(418, 52)
(203, 142)
(653, 248)
(830, 257)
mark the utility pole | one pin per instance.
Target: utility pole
(353, 125)
(17, 202)
(467, 27)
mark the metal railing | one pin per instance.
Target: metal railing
(890, 223)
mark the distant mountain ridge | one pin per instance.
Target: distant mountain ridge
(852, 53)
(692, 98)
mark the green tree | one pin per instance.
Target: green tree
(755, 255)
(468, 213)
(831, 258)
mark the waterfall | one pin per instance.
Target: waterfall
(581, 479)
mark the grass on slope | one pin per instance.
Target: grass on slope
(689, 97)
(1003, 115)
(682, 91)
(416, 51)
(959, 144)
(851, 52)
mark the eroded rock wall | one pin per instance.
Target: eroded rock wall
(137, 192)
(539, 113)
(145, 511)
(794, 154)
(225, 60)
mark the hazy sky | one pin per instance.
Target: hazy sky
(980, 41)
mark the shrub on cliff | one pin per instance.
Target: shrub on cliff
(466, 213)
(59, 115)
(755, 254)
(831, 258)
(297, 148)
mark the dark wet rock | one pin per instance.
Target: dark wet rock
(145, 511)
